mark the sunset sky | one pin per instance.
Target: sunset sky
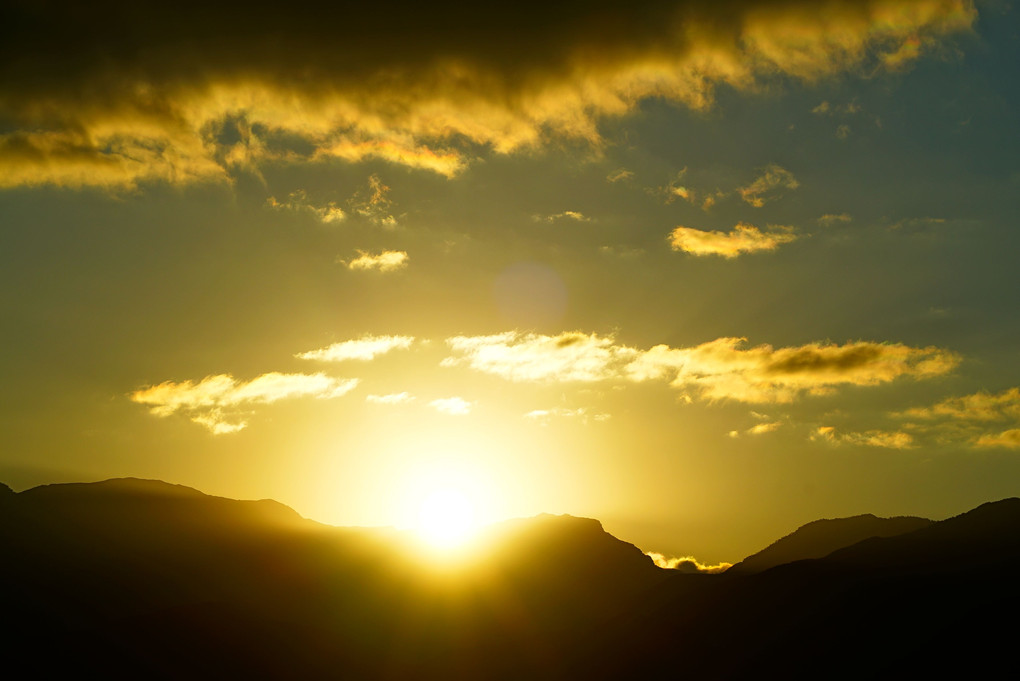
(703, 270)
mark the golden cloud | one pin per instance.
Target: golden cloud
(193, 92)
(722, 369)
(392, 398)
(516, 356)
(976, 407)
(764, 187)
(544, 416)
(1007, 438)
(717, 370)
(762, 428)
(298, 201)
(385, 261)
(870, 438)
(214, 401)
(687, 564)
(830, 219)
(743, 238)
(565, 215)
(457, 406)
(364, 349)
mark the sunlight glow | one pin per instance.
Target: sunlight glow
(446, 518)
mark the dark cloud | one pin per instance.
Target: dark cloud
(115, 93)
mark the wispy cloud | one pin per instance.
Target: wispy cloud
(215, 401)
(298, 201)
(373, 203)
(384, 261)
(392, 398)
(871, 438)
(619, 175)
(456, 406)
(364, 349)
(544, 416)
(962, 419)
(979, 406)
(830, 219)
(767, 186)
(743, 238)
(572, 215)
(1009, 439)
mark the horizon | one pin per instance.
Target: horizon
(702, 272)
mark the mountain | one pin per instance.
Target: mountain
(821, 537)
(142, 579)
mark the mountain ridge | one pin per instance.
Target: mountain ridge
(142, 578)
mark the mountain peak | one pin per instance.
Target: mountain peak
(819, 538)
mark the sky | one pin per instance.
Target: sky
(705, 271)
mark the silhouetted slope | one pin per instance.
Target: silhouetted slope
(143, 579)
(821, 537)
(932, 602)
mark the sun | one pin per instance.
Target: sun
(446, 518)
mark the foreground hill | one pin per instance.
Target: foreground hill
(142, 579)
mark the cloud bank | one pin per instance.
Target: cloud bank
(717, 370)
(122, 93)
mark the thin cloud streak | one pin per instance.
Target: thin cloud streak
(215, 400)
(363, 349)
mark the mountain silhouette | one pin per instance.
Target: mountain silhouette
(142, 579)
(821, 537)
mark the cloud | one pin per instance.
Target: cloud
(298, 201)
(364, 349)
(544, 416)
(687, 564)
(871, 438)
(676, 189)
(717, 370)
(743, 238)
(385, 261)
(722, 369)
(215, 400)
(958, 418)
(452, 405)
(623, 252)
(565, 215)
(193, 92)
(516, 356)
(762, 428)
(765, 187)
(372, 203)
(979, 406)
(830, 219)
(619, 175)
(392, 398)
(1007, 438)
